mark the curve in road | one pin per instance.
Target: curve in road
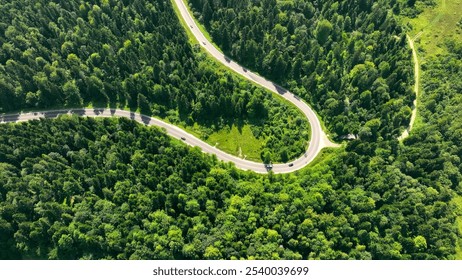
(171, 130)
(318, 139)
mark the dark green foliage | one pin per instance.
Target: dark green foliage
(331, 53)
(74, 188)
(112, 189)
(56, 54)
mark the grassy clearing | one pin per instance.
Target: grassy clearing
(435, 25)
(238, 141)
(325, 155)
(320, 164)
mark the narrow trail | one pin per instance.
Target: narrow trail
(405, 133)
(411, 42)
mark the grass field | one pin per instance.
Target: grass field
(435, 25)
(240, 142)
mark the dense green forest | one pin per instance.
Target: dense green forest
(348, 59)
(131, 54)
(75, 188)
(110, 188)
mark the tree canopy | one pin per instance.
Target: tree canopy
(80, 188)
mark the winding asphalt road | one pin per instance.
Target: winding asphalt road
(171, 130)
(318, 139)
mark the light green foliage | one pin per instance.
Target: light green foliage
(420, 243)
(238, 141)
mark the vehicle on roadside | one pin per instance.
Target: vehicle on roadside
(291, 164)
(182, 138)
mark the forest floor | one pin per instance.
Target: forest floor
(430, 31)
